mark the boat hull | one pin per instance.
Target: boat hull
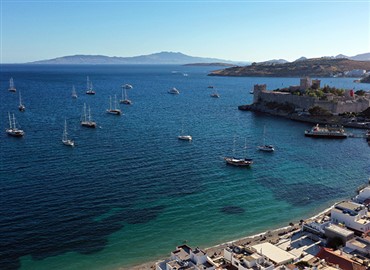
(15, 133)
(88, 124)
(246, 162)
(266, 148)
(185, 138)
(326, 135)
(68, 143)
(125, 101)
(114, 112)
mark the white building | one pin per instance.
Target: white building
(333, 231)
(274, 253)
(359, 244)
(363, 196)
(355, 73)
(316, 227)
(353, 215)
(185, 258)
(245, 258)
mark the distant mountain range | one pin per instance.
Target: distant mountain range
(358, 57)
(155, 58)
(175, 58)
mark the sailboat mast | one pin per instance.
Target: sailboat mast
(234, 147)
(89, 114)
(65, 130)
(87, 83)
(13, 121)
(85, 112)
(20, 99)
(10, 121)
(245, 147)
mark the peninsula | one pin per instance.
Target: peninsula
(309, 102)
(316, 67)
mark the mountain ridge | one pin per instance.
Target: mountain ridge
(155, 58)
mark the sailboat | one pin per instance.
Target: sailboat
(174, 91)
(13, 130)
(74, 94)
(21, 107)
(239, 162)
(124, 99)
(215, 95)
(11, 86)
(86, 121)
(184, 137)
(265, 147)
(65, 139)
(115, 110)
(89, 87)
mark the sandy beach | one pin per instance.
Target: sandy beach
(272, 236)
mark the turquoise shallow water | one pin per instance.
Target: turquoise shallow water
(129, 192)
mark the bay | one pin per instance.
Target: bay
(130, 191)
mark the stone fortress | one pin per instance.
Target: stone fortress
(349, 102)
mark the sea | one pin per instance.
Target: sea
(129, 192)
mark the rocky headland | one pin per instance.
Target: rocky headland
(316, 67)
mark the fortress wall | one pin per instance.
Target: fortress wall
(298, 101)
(305, 102)
(354, 106)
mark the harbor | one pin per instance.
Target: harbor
(131, 185)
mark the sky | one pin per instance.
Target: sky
(232, 30)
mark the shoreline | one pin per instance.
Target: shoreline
(266, 236)
(327, 120)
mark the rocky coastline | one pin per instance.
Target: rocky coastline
(316, 67)
(296, 116)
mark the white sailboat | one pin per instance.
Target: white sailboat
(21, 106)
(13, 130)
(239, 162)
(65, 139)
(89, 87)
(114, 111)
(215, 94)
(265, 147)
(74, 94)
(11, 86)
(86, 120)
(184, 137)
(124, 99)
(174, 91)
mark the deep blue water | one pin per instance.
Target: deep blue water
(129, 191)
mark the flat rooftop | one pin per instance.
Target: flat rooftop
(274, 253)
(349, 205)
(339, 230)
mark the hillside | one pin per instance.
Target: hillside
(316, 67)
(155, 58)
(211, 64)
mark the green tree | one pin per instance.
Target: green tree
(319, 111)
(360, 92)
